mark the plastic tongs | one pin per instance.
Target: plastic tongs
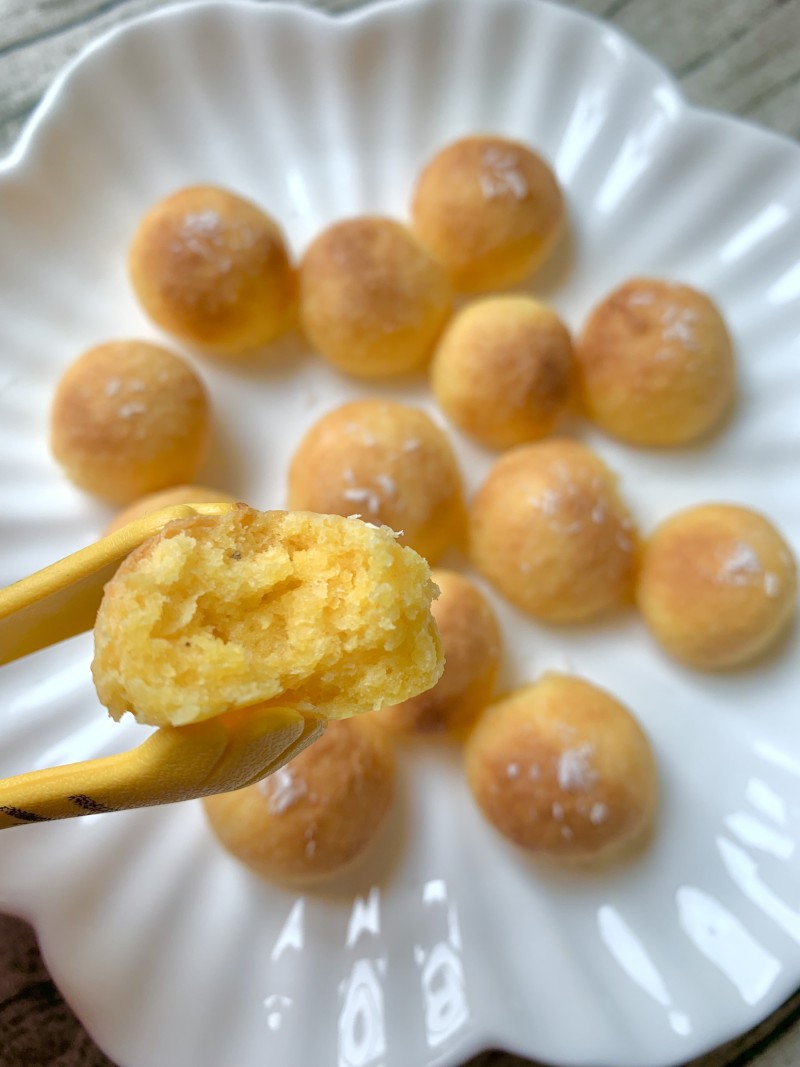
(175, 763)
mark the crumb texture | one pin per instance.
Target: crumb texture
(327, 614)
(472, 644)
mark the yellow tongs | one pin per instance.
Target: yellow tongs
(175, 763)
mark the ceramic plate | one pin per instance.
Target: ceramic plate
(446, 941)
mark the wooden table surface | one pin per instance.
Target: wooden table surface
(740, 56)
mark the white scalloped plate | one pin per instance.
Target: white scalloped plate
(447, 941)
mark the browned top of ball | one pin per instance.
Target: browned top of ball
(213, 268)
(549, 529)
(489, 208)
(128, 401)
(317, 814)
(378, 269)
(371, 299)
(503, 371)
(656, 363)
(562, 768)
(389, 463)
(717, 584)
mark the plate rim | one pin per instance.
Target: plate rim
(35, 125)
(372, 10)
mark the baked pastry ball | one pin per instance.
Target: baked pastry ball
(489, 209)
(655, 364)
(387, 462)
(318, 813)
(549, 530)
(324, 614)
(472, 646)
(129, 418)
(562, 769)
(167, 498)
(717, 585)
(213, 269)
(372, 302)
(503, 370)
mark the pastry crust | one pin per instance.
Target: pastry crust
(563, 770)
(489, 209)
(213, 269)
(656, 364)
(318, 814)
(129, 418)
(718, 585)
(372, 301)
(550, 531)
(387, 462)
(503, 371)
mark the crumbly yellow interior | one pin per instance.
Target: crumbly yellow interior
(319, 612)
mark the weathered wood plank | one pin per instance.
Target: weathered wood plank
(780, 110)
(761, 63)
(601, 8)
(745, 59)
(23, 23)
(26, 72)
(684, 33)
(37, 40)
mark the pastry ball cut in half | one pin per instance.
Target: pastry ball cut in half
(388, 463)
(563, 770)
(167, 498)
(212, 269)
(372, 301)
(129, 418)
(318, 814)
(656, 364)
(316, 612)
(549, 530)
(472, 646)
(489, 209)
(503, 371)
(717, 585)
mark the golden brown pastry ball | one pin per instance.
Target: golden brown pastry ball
(166, 498)
(372, 302)
(327, 615)
(213, 269)
(717, 585)
(472, 648)
(503, 370)
(549, 530)
(562, 769)
(389, 463)
(317, 814)
(489, 209)
(129, 418)
(655, 364)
